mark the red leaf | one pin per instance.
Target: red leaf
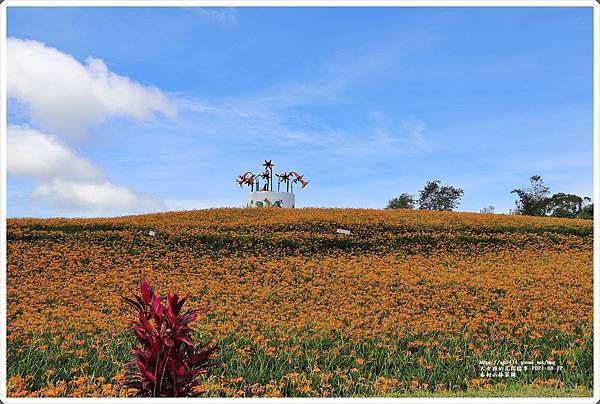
(156, 308)
(146, 291)
(185, 340)
(186, 318)
(132, 303)
(150, 376)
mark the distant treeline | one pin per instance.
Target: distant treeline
(534, 200)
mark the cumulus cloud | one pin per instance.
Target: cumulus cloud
(93, 196)
(61, 97)
(65, 179)
(64, 96)
(35, 154)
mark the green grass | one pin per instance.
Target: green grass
(327, 363)
(511, 391)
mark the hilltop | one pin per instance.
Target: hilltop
(311, 230)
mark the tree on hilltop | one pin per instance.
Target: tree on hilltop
(566, 205)
(436, 197)
(587, 212)
(404, 201)
(489, 209)
(533, 200)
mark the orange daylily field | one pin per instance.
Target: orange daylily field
(408, 304)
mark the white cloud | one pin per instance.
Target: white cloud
(65, 179)
(93, 196)
(35, 154)
(383, 142)
(59, 95)
(276, 114)
(65, 96)
(222, 16)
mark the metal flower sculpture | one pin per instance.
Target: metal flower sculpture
(246, 179)
(268, 174)
(253, 181)
(302, 182)
(298, 178)
(285, 178)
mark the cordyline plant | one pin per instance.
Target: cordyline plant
(167, 364)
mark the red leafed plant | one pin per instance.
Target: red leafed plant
(167, 364)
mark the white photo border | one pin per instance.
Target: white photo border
(300, 3)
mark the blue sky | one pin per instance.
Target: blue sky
(367, 103)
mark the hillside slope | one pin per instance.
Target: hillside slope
(409, 303)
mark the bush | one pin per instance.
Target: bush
(167, 364)
(587, 212)
(404, 201)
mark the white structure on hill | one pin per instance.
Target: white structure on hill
(264, 199)
(263, 195)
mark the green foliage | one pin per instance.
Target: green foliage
(436, 197)
(533, 201)
(587, 212)
(566, 205)
(404, 201)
